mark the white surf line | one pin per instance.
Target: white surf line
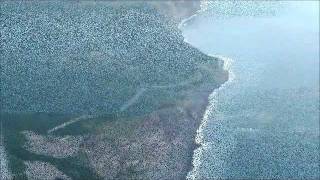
(227, 63)
(212, 97)
(133, 100)
(200, 140)
(68, 123)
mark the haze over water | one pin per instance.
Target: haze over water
(264, 122)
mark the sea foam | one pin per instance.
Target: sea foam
(227, 64)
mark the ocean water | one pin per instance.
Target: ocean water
(264, 122)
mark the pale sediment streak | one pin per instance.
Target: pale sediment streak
(196, 78)
(133, 100)
(140, 92)
(68, 123)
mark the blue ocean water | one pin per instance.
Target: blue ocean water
(264, 122)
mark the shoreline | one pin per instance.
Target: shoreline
(199, 141)
(198, 138)
(147, 133)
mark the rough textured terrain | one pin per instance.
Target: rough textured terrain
(125, 66)
(58, 147)
(40, 170)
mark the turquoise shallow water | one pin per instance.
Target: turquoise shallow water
(264, 122)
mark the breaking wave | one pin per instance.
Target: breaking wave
(227, 64)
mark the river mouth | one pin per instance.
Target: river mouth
(265, 123)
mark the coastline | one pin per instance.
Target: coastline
(150, 133)
(198, 138)
(236, 115)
